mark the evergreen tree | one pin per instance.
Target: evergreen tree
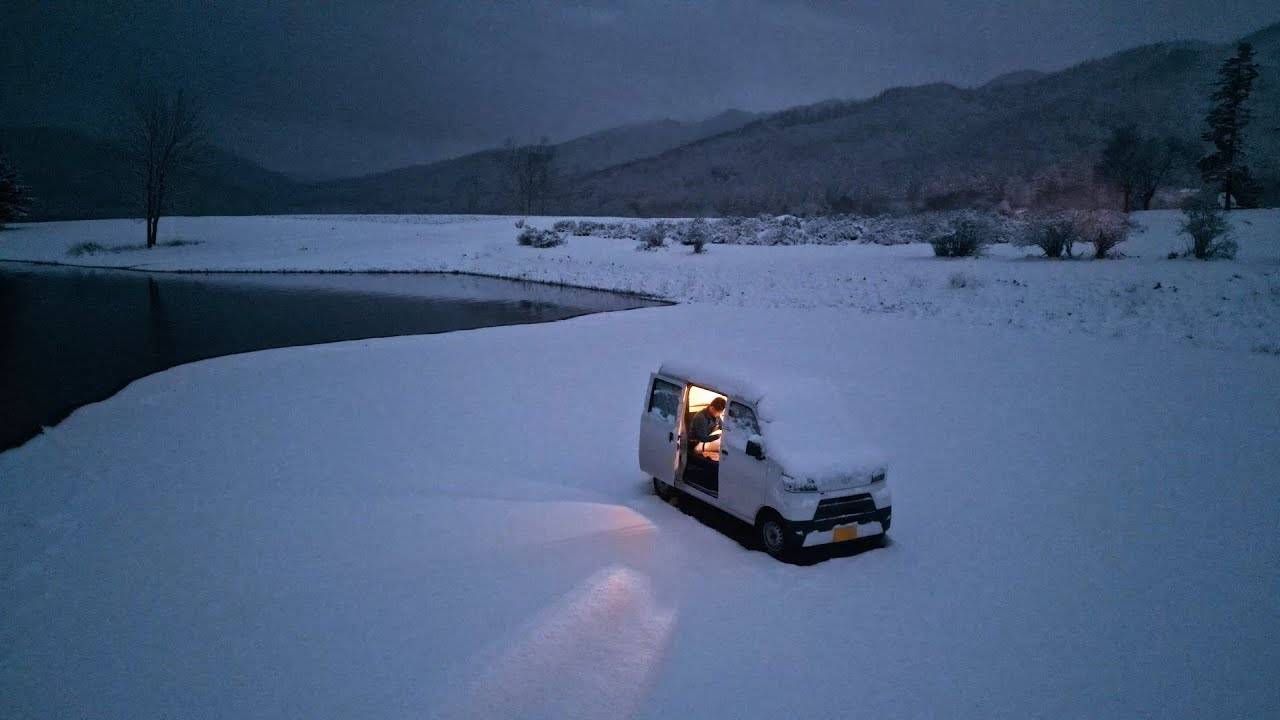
(1226, 168)
(15, 201)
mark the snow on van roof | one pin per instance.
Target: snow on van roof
(810, 426)
(717, 375)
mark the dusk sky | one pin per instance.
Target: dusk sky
(343, 88)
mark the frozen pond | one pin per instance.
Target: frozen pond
(70, 336)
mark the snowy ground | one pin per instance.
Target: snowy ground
(1234, 305)
(454, 525)
(1081, 530)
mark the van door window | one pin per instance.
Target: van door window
(664, 400)
(740, 422)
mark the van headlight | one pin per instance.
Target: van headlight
(791, 484)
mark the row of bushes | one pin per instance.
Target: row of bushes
(530, 236)
(952, 234)
(1057, 234)
(651, 236)
(774, 229)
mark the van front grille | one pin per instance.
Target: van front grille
(841, 507)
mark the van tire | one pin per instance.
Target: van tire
(774, 535)
(664, 491)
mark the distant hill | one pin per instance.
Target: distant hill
(1017, 77)
(75, 176)
(1025, 139)
(478, 182)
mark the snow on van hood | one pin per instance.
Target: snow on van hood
(811, 428)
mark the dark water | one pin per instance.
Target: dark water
(74, 336)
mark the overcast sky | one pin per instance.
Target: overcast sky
(324, 89)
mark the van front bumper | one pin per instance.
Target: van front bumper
(821, 532)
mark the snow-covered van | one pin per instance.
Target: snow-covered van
(788, 457)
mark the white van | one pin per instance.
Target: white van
(788, 460)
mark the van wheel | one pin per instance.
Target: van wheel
(775, 535)
(663, 490)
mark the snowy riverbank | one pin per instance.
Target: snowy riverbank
(454, 526)
(1230, 305)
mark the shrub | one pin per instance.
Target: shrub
(833, 230)
(780, 230)
(1055, 234)
(1105, 229)
(520, 223)
(533, 237)
(695, 235)
(563, 226)
(1207, 227)
(967, 237)
(179, 242)
(583, 228)
(652, 237)
(84, 248)
(959, 280)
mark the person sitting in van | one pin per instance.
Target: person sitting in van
(705, 428)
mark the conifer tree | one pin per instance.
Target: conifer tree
(1226, 168)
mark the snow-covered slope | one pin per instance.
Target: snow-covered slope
(1232, 305)
(1031, 144)
(442, 526)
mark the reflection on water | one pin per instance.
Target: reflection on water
(72, 336)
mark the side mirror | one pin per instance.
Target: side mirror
(755, 447)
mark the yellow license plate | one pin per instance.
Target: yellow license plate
(841, 534)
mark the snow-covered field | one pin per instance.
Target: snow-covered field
(1087, 509)
(1232, 305)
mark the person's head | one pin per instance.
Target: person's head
(716, 407)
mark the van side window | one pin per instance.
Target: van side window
(664, 401)
(741, 419)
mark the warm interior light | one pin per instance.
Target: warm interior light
(699, 398)
(702, 397)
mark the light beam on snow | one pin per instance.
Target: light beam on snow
(590, 655)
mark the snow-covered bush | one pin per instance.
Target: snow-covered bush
(1207, 227)
(794, 230)
(1055, 233)
(536, 238)
(652, 237)
(966, 236)
(960, 280)
(615, 230)
(832, 230)
(84, 248)
(695, 235)
(732, 231)
(1105, 229)
(781, 230)
(579, 228)
(583, 228)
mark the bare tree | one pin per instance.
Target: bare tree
(166, 137)
(15, 199)
(469, 189)
(530, 172)
(1158, 159)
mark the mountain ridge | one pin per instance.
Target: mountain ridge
(1025, 138)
